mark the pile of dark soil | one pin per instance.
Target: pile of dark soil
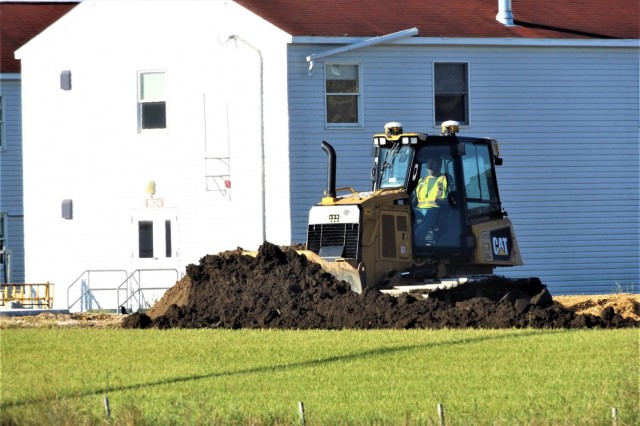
(280, 288)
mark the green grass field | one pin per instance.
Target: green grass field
(151, 377)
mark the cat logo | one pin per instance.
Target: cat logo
(500, 247)
(501, 244)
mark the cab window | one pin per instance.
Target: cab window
(394, 169)
(436, 219)
(480, 181)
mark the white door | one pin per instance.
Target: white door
(155, 255)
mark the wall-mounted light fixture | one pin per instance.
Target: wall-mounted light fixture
(151, 188)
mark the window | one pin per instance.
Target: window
(395, 166)
(152, 102)
(451, 92)
(150, 239)
(480, 182)
(342, 87)
(167, 238)
(437, 220)
(145, 239)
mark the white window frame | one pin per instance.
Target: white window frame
(467, 94)
(141, 102)
(359, 95)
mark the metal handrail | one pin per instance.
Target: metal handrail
(89, 289)
(138, 281)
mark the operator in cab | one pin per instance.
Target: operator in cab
(430, 193)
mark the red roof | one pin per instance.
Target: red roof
(564, 19)
(20, 22)
(557, 19)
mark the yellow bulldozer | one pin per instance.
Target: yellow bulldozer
(432, 221)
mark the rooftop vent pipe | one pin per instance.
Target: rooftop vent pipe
(505, 15)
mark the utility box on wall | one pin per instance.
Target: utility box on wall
(65, 80)
(67, 209)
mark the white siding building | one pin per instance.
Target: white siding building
(149, 143)
(20, 22)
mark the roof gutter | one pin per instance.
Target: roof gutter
(359, 45)
(510, 42)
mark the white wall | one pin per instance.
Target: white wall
(83, 144)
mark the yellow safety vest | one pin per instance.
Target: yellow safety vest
(429, 189)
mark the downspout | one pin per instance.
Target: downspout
(366, 43)
(263, 198)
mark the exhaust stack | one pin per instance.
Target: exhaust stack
(330, 193)
(505, 14)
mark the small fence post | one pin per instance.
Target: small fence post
(107, 408)
(441, 414)
(614, 416)
(301, 411)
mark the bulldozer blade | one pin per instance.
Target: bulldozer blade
(340, 269)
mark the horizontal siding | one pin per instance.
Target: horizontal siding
(570, 180)
(11, 155)
(567, 120)
(15, 243)
(11, 190)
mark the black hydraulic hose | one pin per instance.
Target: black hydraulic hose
(331, 169)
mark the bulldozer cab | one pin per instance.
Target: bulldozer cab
(449, 183)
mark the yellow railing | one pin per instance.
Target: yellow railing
(35, 296)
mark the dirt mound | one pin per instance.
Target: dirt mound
(626, 304)
(278, 288)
